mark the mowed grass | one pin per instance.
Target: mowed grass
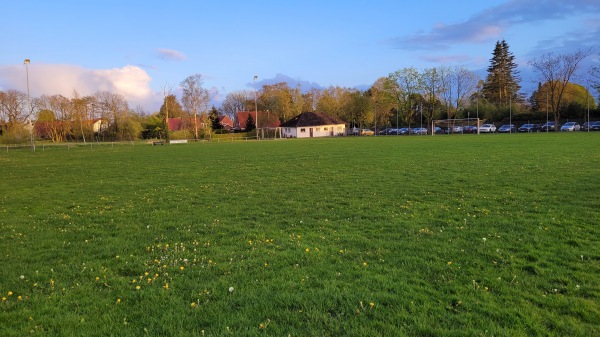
(489, 235)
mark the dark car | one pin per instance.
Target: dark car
(530, 128)
(507, 128)
(440, 131)
(550, 126)
(595, 126)
(585, 126)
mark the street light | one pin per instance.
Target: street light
(256, 108)
(26, 62)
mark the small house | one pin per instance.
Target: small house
(313, 124)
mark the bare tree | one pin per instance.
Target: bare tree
(13, 108)
(195, 99)
(446, 78)
(237, 101)
(432, 87)
(556, 71)
(408, 83)
(465, 83)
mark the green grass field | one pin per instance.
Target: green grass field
(489, 235)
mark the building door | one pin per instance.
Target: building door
(311, 132)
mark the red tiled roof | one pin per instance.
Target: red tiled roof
(273, 122)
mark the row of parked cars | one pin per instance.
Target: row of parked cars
(485, 128)
(549, 126)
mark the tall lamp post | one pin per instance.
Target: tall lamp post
(26, 62)
(256, 109)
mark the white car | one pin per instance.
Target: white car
(570, 126)
(487, 128)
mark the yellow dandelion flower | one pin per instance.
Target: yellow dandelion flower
(19, 298)
(371, 305)
(118, 300)
(137, 287)
(97, 278)
(181, 268)
(261, 326)
(3, 299)
(166, 286)
(193, 305)
(364, 264)
(134, 281)
(449, 262)
(146, 274)
(10, 293)
(307, 250)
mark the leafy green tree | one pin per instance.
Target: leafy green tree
(502, 82)
(382, 102)
(175, 109)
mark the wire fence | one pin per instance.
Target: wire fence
(94, 145)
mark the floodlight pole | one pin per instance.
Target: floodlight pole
(547, 126)
(26, 62)
(510, 112)
(256, 109)
(587, 98)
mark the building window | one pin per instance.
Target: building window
(325, 129)
(302, 130)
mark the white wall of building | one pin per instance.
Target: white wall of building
(315, 131)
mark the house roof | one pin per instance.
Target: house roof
(273, 122)
(181, 123)
(312, 119)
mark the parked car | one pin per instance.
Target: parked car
(530, 128)
(366, 132)
(585, 126)
(403, 131)
(507, 128)
(418, 131)
(595, 126)
(440, 131)
(470, 129)
(570, 126)
(353, 132)
(456, 129)
(487, 128)
(550, 126)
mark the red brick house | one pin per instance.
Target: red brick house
(226, 122)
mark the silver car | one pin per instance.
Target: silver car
(570, 126)
(487, 128)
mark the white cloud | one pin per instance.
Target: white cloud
(51, 79)
(171, 55)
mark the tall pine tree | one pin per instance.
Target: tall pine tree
(502, 82)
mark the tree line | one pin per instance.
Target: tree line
(407, 96)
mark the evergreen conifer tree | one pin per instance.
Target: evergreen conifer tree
(502, 82)
(250, 123)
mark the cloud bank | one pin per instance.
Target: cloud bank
(490, 24)
(51, 79)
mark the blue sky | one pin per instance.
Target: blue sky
(139, 48)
